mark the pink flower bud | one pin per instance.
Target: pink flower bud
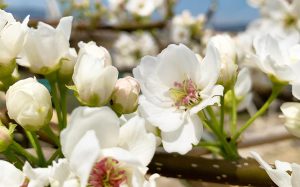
(125, 96)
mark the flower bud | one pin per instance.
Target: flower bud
(125, 96)
(12, 35)
(291, 113)
(227, 51)
(5, 138)
(67, 66)
(93, 76)
(46, 46)
(29, 103)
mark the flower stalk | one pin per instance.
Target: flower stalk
(277, 87)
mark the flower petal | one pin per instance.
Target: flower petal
(37, 176)
(166, 119)
(84, 156)
(10, 175)
(295, 175)
(181, 140)
(102, 120)
(279, 177)
(135, 139)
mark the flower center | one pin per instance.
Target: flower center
(26, 183)
(185, 95)
(290, 20)
(107, 173)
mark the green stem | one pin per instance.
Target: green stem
(230, 151)
(63, 94)
(213, 144)
(54, 156)
(19, 149)
(13, 158)
(51, 135)
(222, 113)
(55, 99)
(212, 116)
(233, 124)
(275, 92)
(36, 145)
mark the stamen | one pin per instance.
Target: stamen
(107, 173)
(184, 94)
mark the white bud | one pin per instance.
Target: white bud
(291, 113)
(12, 35)
(227, 51)
(67, 65)
(5, 138)
(29, 103)
(93, 76)
(125, 95)
(46, 46)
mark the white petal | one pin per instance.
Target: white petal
(181, 140)
(291, 110)
(279, 177)
(102, 120)
(152, 181)
(61, 174)
(121, 155)
(10, 175)
(243, 83)
(208, 72)
(296, 90)
(166, 119)
(84, 156)
(37, 176)
(177, 63)
(295, 175)
(135, 139)
(283, 166)
(65, 26)
(210, 97)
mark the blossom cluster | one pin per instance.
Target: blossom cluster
(178, 99)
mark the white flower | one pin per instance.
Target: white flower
(280, 59)
(283, 12)
(279, 174)
(120, 154)
(184, 19)
(61, 175)
(180, 34)
(94, 77)
(37, 177)
(228, 54)
(45, 46)
(10, 175)
(291, 112)
(115, 5)
(125, 96)
(130, 48)
(143, 8)
(13, 177)
(29, 104)
(242, 89)
(12, 35)
(176, 87)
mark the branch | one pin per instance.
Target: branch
(83, 26)
(242, 172)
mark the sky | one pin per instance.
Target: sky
(229, 12)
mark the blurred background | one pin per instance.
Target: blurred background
(231, 15)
